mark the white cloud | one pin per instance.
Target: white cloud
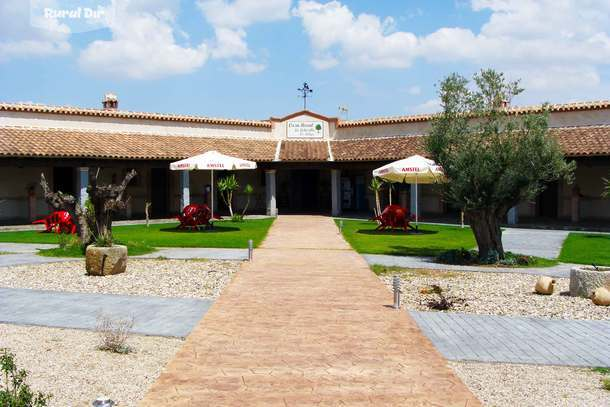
(230, 20)
(143, 44)
(429, 106)
(247, 68)
(19, 38)
(414, 90)
(556, 46)
(363, 41)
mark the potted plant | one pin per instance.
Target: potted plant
(103, 257)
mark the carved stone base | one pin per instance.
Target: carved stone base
(106, 261)
(585, 279)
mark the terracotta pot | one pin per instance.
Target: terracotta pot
(601, 296)
(545, 285)
(105, 261)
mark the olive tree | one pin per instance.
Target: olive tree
(492, 158)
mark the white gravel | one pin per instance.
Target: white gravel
(165, 278)
(67, 364)
(496, 294)
(510, 385)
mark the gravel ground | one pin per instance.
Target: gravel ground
(164, 278)
(496, 294)
(66, 363)
(499, 384)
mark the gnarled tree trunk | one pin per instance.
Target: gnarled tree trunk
(485, 225)
(66, 202)
(106, 200)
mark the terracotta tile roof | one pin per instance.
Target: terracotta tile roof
(584, 141)
(64, 143)
(70, 143)
(123, 114)
(301, 150)
(566, 107)
(374, 149)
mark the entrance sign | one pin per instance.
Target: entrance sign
(307, 130)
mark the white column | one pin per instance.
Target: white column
(83, 182)
(185, 189)
(415, 192)
(513, 215)
(335, 185)
(270, 192)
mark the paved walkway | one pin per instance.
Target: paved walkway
(152, 315)
(307, 322)
(534, 242)
(488, 338)
(20, 254)
(561, 270)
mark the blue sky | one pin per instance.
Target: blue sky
(246, 58)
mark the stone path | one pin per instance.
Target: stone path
(152, 315)
(534, 242)
(561, 270)
(488, 338)
(25, 253)
(307, 323)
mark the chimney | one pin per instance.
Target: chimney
(110, 102)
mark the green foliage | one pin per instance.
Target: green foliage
(431, 241)
(606, 383)
(586, 248)
(376, 185)
(492, 159)
(249, 191)
(238, 217)
(227, 186)
(224, 234)
(471, 258)
(14, 391)
(602, 370)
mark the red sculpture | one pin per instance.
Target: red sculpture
(195, 215)
(393, 216)
(58, 222)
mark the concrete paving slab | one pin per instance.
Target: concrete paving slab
(155, 316)
(504, 339)
(20, 259)
(534, 242)
(24, 247)
(561, 270)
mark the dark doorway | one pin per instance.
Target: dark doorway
(159, 188)
(305, 190)
(548, 201)
(64, 180)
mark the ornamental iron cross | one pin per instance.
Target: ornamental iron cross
(306, 91)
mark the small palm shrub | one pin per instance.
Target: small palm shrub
(14, 391)
(227, 186)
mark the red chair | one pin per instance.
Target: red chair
(58, 222)
(195, 215)
(394, 217)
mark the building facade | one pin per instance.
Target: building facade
(307, 162)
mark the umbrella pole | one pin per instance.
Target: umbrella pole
(416, 205)
(212, 193)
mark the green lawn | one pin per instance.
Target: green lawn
(431, 241)
(75, 250)
(226, 234)
(585, 248)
